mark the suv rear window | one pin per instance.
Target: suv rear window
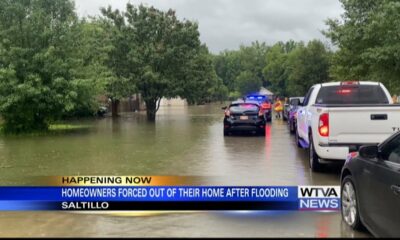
(355, 94)
(244, 107)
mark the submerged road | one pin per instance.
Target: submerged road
(185, 142)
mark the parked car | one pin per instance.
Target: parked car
(337, 118)
(370, 188)
(244, 116)
(291, 112)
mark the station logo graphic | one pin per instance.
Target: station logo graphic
(319, 198)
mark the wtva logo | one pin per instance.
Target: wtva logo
(319, 198)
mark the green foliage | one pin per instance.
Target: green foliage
(234, 95)
(92, 74)
(201, 82)
(275, 70)
(286, 68)
(292, 68)
(306, 66)
(248, 82)
(227, 67)
(38, 63)
(53, 65)
(116, 43)
(218, 92)
(242, 70)
(367, 37)
(165, 51)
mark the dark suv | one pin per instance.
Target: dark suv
(244, 116)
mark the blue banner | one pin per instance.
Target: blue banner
(159, 198)
(149, 193)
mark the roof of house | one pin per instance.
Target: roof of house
(264, 91)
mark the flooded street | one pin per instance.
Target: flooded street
(183, 142)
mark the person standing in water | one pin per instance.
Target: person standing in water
(278, 108)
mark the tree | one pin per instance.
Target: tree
(306, 66)
(38, 49)
(253, 59)
(91, 73)
(227, 67)
(275, 69)
(201, 82)
(218, 92)
(165, 49)
(120, 81)
(242, 71)
(161, 55)
(367, 38)
(287, 68)
(248, 82)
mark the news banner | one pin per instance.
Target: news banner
(161, 193)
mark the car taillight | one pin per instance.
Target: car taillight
(227, 113)
(323, 126)
(266, 105)
(353, 155)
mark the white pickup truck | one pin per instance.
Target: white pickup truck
(337, 118)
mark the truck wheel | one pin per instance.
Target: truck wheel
(315, 165)
(298, 140)
(291, 127)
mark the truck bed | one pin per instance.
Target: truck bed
(361, 124)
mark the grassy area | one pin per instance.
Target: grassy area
(53, 129)
(63, 127)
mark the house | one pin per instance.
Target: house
(266, 92)
(173, 102)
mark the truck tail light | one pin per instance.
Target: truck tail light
(344, 91)
(353, 155)
(350, 83)
(323, 126)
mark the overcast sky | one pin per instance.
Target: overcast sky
(226, 24)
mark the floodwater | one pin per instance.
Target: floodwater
(183, 142)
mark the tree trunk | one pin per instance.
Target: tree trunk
(151, 116)
(152, 107)
(151, 110)
(114, 108)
